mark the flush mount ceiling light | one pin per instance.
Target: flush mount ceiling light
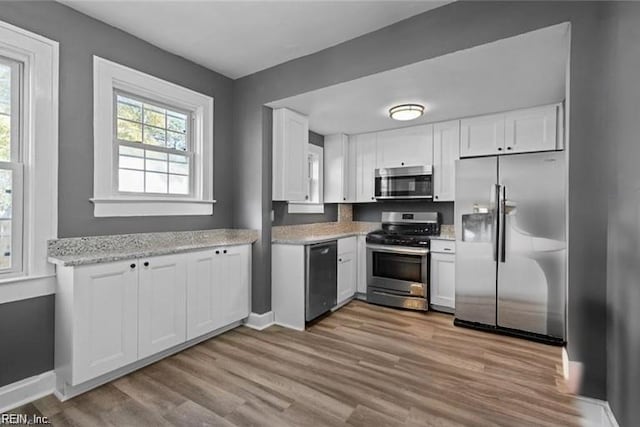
(406, 111)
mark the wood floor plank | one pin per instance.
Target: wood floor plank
(363, 365)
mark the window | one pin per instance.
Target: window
(28, 162)
(315, 204)
(10, 167)
(153, 145)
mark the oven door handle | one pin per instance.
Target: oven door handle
(405, 250)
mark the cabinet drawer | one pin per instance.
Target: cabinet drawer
(443, 246)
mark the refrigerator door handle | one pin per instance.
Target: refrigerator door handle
(503, 224)
(496, 224)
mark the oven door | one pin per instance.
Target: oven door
(415, 186)
(398, 270)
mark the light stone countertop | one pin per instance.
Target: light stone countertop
(77, 251)
(325, 231)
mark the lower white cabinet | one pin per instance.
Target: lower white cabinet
(217, 289)
(111, 315)
(347, 268)
(99, 321)
(442, 280)
(162, 304)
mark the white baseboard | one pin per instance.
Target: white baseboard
(26, 390)
(595, 412)
(260, 321)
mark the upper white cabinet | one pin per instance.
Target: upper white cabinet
(337, 169)
(412, 146)
(347, 268)
(533, 129)
(446, 143)
(482, 136)
(364, 150)
(162, 303)
(97, 322)
(519, 131)
(290, 157)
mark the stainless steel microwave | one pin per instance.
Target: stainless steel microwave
(410, 182)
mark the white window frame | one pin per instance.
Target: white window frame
(37, 163)
(309, 207)
(109, 77)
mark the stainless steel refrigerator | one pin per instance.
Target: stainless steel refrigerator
(511, 244)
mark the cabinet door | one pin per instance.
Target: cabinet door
(365, 152)
(162, 305)
(446, 143)
(411, 146)
(290, 164)
(336, 172)
(232, 292)
(443, 289)
(105, 320)
(347, 268)
(362, 265)
(533, 129)
(482, 136)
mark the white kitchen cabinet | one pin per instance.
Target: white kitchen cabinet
(290, 155)
(100, 319)
(364, 149)
(446, 144)
(347, 268)
(482, 136)
(533, 129)
(337, 168)
(120, 315)
(442, 280)
(162, 303)
(217, 288)
(362, 265)
(412, 146)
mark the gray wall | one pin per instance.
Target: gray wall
(621, 99)
(81, 37)
(444, 30)
(26, 334)
(373, 211)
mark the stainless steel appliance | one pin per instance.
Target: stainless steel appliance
(411, 182)
(511, 244)
(398, 259)
(321, 289)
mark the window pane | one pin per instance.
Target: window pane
(156, 182)
(176, 122)
(131, 181)
(6, 200)
(178, 184)
(5, 89)
(5, 137)
(156, 166)
(129, 109)
(154, 136)
(177, 140)
(131, 162)
(129, 131)
(130, 151)
(154, 116)
(179, 165)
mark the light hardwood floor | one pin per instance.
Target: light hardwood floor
(361, 366)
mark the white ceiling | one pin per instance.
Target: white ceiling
(521, 71)
(237, 38)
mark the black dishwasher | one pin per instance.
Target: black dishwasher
(321, 286)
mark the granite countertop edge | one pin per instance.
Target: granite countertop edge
(318, 238)
(114, 256)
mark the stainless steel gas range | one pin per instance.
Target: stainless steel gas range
(398, 259)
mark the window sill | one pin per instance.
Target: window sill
(117, 207)
(305, 208)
